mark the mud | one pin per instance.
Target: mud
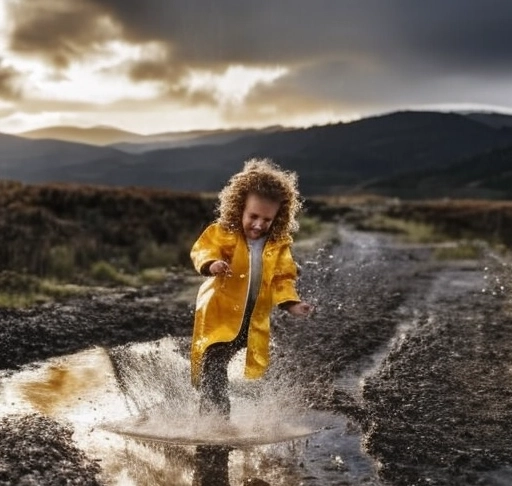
(411, 353)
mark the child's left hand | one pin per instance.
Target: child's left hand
(300, 309)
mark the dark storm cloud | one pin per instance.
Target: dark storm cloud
(9, 82)
(228, 31)
(339, 47)
(57, 30)
(455, 32)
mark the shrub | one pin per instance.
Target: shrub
(61, 261)
(106, 273)
(309, 226)
(17, 283)
(154, 255)
(57, 290)
(463, 250)
(153, 276)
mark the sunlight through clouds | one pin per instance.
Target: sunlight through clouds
(3, 27)
(233, 85)
(96, 80)
(177, 64)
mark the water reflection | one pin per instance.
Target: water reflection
(87, 391)
(211, 466)
(84, 390)
(165, 465)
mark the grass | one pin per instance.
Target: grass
(315, 233)
(153, 276)
(40, 291)
(53, 289)
(408, 230)
(308, 227)
(104, 238)
(462, 250)
(21, 300)
(21, 290)
(106, 273)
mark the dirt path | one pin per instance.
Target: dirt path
(409, 348)
(418, 353)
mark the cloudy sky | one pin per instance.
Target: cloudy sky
(173, 65)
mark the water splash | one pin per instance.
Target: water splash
(497, 275)
(155, 379)
(349, 271)
(152, 381)
(153, 375)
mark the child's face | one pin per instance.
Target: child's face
(258, 215)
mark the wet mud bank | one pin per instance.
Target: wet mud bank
(439, 409)
(411, 353)
(107, 318)
(416, 352)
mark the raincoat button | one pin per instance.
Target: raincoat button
(242, 275)
(236, 307)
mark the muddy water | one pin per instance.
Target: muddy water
(83, 389)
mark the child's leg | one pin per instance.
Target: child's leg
(214, 383)
(213, 386)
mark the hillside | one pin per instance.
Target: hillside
(56, 234)
(487, 176)
(98, 135)
(495, 120)
(334, 158)
(53, 160)
(172, 140)
(135, 142)
(58, 229)
(331, 159)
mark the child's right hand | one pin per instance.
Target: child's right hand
(220, 267)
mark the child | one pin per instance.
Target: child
(247, 256)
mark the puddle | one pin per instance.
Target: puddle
(499, 477)
(91, 389)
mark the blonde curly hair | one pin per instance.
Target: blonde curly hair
(266, 179)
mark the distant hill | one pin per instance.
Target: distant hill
(495, 120)
(52, 160)
(189, 139)
(136, 142)
(331, 159)
(486, 176)
(98, 135)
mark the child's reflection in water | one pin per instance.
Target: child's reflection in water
(212, 468)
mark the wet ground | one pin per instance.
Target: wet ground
(404, 371)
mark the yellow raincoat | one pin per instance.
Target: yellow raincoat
(221, 300)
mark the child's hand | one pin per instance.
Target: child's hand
(220, 267)
(300, 309)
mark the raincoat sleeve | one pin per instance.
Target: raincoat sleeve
(215, 243)
(285, 278)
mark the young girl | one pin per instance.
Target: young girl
(247, 256)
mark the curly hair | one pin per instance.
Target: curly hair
(265, 179)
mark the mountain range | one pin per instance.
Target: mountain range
(410, 154)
